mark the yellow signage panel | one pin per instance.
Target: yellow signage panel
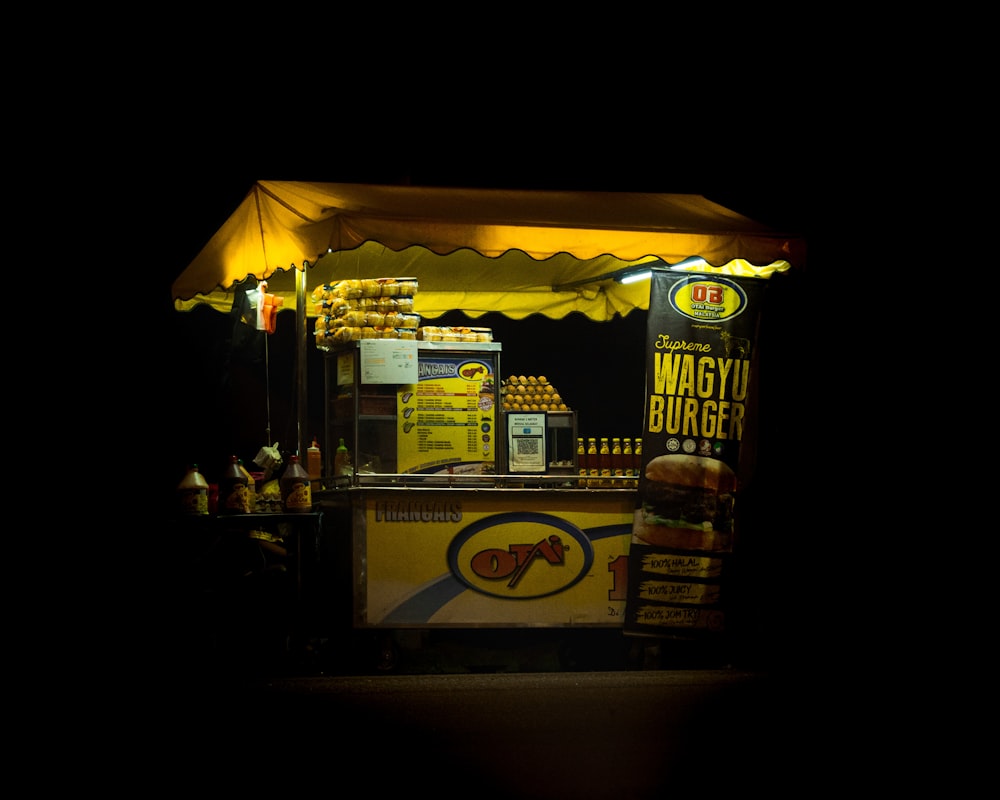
(493, 557)
(447, 420)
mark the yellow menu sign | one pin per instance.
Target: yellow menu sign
(447, 420)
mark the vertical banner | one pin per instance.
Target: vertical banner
(698, 448)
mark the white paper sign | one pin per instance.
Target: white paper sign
(389, 361)
(526, 442)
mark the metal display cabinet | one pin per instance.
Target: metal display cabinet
(446, 422)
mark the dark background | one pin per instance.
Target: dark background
(156, 166)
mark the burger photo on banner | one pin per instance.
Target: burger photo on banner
(698, 434)
(687, 502)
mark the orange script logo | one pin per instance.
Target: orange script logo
(520, 555)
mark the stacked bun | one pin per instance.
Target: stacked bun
(365, 308)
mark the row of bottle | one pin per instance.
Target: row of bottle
(238, 490)
(614, 463)
(341, 462)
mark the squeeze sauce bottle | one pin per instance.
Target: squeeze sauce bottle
(342, 460)
(314, 462)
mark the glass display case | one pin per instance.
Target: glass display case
(407, 409)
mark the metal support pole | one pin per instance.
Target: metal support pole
(301, 361)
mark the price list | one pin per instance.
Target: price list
(447, 419)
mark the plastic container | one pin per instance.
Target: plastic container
(296, 488)
(192, 493)
(234, 489)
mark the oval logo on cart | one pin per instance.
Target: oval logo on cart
(473, 370)
(708, 299)
(520, 555)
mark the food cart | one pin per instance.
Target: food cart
(459, 510)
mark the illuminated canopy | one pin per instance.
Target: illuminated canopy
(475, 250)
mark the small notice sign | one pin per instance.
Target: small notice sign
(526, 442)
(388, 361)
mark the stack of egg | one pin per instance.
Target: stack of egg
(531, 393)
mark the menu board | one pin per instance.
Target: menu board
(447, 420)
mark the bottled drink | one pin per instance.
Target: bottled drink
(627, 459)
(637, 457)
(593, 465)
(234, 494)
(296, 489)
(604, 456)
(617, 463)
(581, 462)
(192, 492)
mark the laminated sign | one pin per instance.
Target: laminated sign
(697, 438)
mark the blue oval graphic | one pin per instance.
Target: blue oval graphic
(512, 568)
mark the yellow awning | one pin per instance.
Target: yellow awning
(476, 250)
